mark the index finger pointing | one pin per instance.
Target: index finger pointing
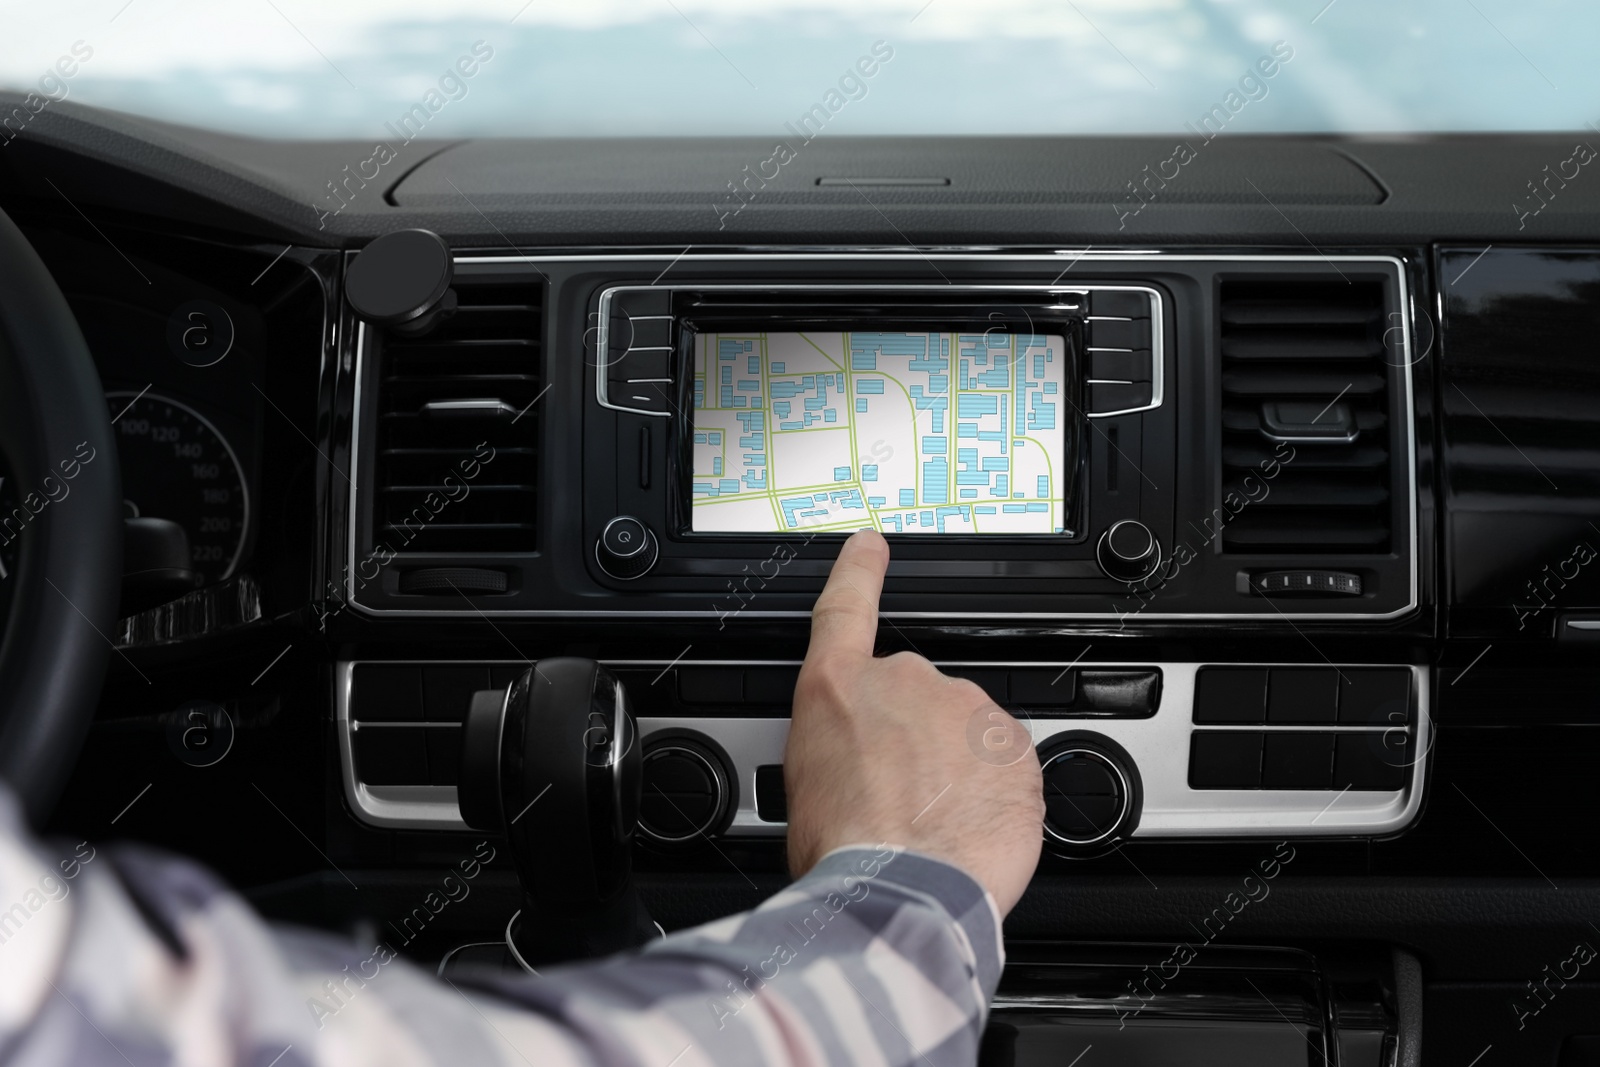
(845, 618)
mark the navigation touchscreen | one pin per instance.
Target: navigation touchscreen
(907, 433)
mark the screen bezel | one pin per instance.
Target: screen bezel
(1037, 314)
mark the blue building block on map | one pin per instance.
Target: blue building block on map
(927, 518)
(728, 486)
(935, 475)
(716, 466)
(934, 446)
(777, 368)
(841, 474)
(861, 403)
(870, 385)
(974, 405)
(984, 509)
(968, 494)
(831, 415)
(877, 501)
(908, 498)
(1044, 486)
(1002, 484)
(869, 472)
(1014, 509)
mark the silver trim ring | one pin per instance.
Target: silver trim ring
(1122, 779)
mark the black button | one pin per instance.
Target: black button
(770, 685)
(1120, 366)
(651, 333)
(1230, 695)
(711, 685)
(639, 365)
(772, 802)
(1373, 760)
(387, 694)
(447, 691)
(1224, 759)
(624, 536)
(652, 302)
(1297, 761)
(1119, 333)
(394, 755)
(1106, 397)
(1375, 697)
(1046, 687)
(1121, 305)
(1301, 695)
(992, 682)
(1119, 694)
(642, 396)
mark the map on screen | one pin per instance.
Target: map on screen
(935, 433)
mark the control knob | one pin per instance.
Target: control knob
(1091, 796)
(1128, 551)
(626, 549)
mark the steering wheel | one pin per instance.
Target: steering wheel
(66, 515)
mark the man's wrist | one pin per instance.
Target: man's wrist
(939, 884)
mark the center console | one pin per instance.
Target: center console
(1117, 443)
(1100, 437)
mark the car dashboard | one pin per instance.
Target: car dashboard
(1270, 507)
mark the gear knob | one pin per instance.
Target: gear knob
(553, 762)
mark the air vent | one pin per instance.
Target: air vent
(1304, 375)
(458, 403)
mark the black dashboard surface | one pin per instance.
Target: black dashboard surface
(1294, 191)
(1491, 881)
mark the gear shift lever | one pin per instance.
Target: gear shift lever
(553, 762)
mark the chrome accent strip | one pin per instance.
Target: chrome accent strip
(408, 807)
(1403, 293)
(1159, 747)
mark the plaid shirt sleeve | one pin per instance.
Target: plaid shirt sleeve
(119, 955)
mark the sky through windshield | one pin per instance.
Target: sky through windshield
(345, 68)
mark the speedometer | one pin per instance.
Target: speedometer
(177, 466)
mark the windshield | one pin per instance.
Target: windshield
(360, 68)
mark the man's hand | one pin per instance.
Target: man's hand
(889, 751)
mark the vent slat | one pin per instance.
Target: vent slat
(1305, 342)
(1288, 345)
(424, 499)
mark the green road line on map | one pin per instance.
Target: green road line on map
(850, 411)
